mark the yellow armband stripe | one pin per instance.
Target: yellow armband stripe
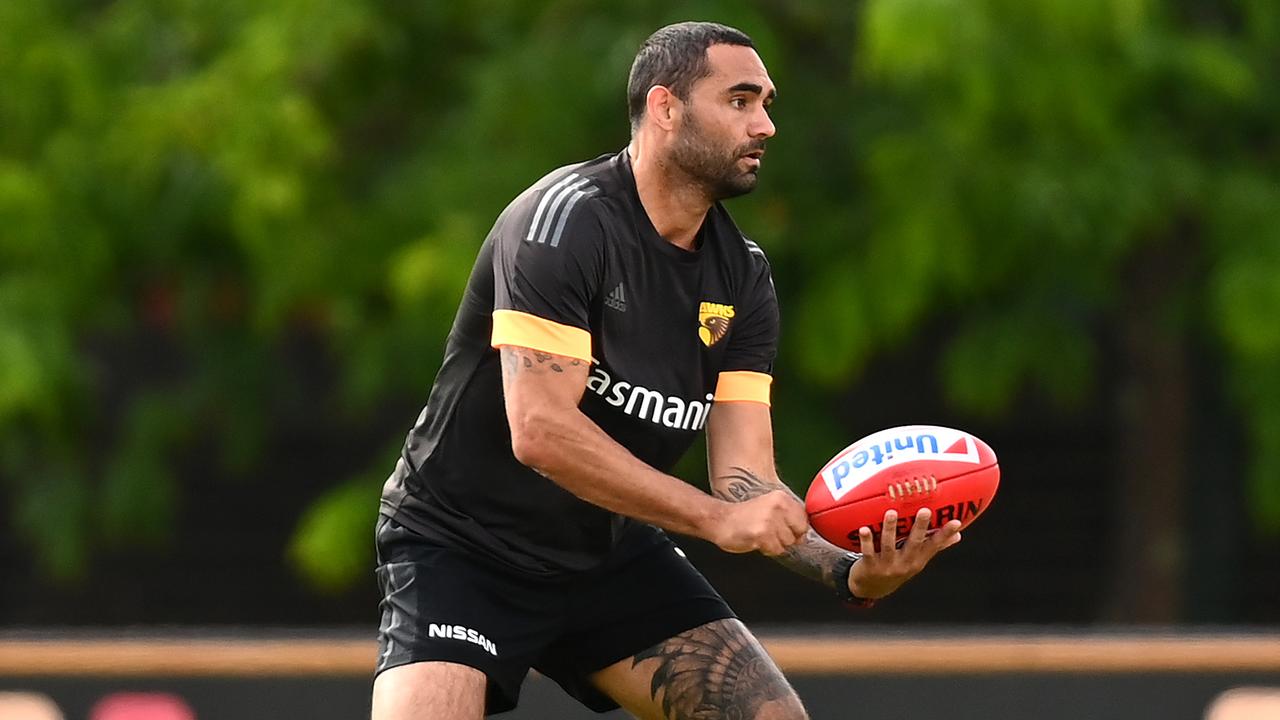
(743, 386)
(512, 327)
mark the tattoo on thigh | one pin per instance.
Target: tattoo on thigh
(713, 672)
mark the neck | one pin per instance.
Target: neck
(675, 204)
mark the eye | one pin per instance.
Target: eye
(738, 102)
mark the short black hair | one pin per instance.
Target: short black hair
(676, 57)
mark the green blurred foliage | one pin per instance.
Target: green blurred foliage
(1061, 140)
(194, 185)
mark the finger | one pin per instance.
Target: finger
(798, 519)
(866, 543)
(788, 537)
(802, 536)
(789, 510)
(946, 536)
(889, 534)
(772, 547)
(780, 539)
(920, 528)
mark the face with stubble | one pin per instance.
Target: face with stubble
(724, 124)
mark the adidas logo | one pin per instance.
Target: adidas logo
(617, 299)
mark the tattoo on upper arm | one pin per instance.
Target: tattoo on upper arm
(715, 672)
(510, 362)
(514, 358)
(812, 557)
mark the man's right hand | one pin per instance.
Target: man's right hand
(770, 523)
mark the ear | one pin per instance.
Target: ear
(662, 107)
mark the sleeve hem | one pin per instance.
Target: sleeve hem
(743, 386)
(512, 327)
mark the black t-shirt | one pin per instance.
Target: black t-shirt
(573, 266)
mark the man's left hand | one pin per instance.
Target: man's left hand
(879, 573)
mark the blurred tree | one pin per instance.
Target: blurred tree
(205, 206)
(1082, 174)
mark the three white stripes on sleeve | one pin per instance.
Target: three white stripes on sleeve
(554, 208)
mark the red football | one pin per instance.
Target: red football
(951, 472)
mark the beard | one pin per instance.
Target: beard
(712, 165)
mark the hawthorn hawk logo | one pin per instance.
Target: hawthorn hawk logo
(713, 322)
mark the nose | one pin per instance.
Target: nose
(762, 125)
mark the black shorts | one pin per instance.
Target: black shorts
(439, 603)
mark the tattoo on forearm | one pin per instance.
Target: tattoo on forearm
(815, 559)
(812, 557)
(714, 672)
(743, 485)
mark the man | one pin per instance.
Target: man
(613, 312)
